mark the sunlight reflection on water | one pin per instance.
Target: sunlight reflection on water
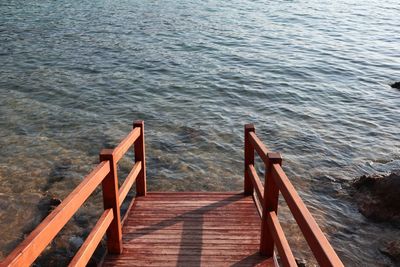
(312, 76)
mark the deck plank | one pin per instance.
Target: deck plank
(191, 229)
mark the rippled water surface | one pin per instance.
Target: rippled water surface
(311, 75)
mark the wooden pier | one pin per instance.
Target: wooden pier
(188, 228)
(191, 229)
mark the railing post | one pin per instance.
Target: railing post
(111, 200)
(140, 155)
(248, 158)
(271, 196)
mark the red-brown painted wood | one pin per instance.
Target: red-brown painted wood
(126, 143)
(275, 181)
(281, 242)
(128, 210)
(248, 158)
(258, 145)
(191, 229)
(271, 193)
(38, 239)
(87, 249)
(129, 181)
(140, 155)
(188, 229)
(323, 251)
(111, 201)
(258, 187)
(195, 194)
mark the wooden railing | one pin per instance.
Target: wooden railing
(267, 197)
(110, 222)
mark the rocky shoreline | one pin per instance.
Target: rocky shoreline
(378, 199)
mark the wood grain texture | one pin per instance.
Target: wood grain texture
(184, 229)
(191, 229)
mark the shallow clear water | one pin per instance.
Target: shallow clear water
(312, 75)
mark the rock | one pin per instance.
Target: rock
(82, 220)
(54, 202)
(301, 262)
(395, 85)
(76, 242)
(378, 197)
(392, 250)
(46, 205)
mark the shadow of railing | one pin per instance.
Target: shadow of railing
(191, 243)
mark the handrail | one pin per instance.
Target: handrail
(281, 242)
(125, 144)
(26, 253)
(104, 173)
(87, 249)
(140, 155)
(315, 238)
(129, 181)
(258, 187)
(112, 196)
(261, 149)
(276, 181)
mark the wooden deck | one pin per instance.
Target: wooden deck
(191, 229)
(183, 229)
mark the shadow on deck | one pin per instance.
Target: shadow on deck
(183, 229)
(191, 229)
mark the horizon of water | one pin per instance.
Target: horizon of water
(311, 75)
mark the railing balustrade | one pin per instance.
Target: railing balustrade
(104, 173)
(276, 181)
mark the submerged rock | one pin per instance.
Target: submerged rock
(76, 242)
(47, 205)
(54, 202)
(392, 250)
(378, 197)
(395, 85)
(301, 262)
